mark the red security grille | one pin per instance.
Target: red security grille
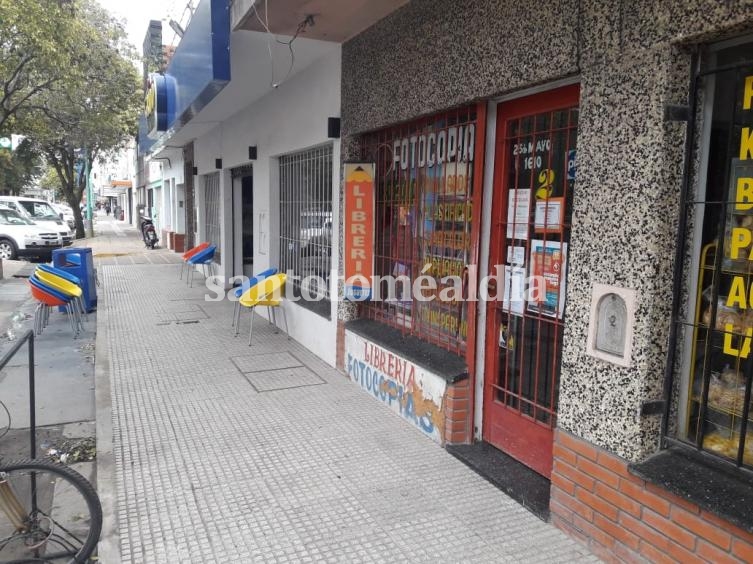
(426, 200)
(533, 227)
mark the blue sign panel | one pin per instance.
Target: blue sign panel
(159, 106)
(198, 71)
(571, 164)
(201, 64)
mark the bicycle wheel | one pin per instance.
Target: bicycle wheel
(52, 513)
(5, 420)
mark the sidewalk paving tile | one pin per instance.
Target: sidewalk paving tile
(209, 469)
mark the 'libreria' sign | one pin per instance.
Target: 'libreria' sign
(409, 390)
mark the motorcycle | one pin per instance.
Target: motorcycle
(148, 232)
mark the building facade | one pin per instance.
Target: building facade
(573, 188)
(592, 170)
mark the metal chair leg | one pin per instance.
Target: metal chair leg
(251, 330)
(182, 264)
(285, 320)
(269, 315)
(274, 320)
(84, 314)
(236, 305)
(238, 321)
(69, 314)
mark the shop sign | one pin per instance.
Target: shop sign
(359, 230)
(159, 99)
(409, 390)
(435, 148)
(739, 238)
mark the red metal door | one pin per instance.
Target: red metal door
(533, 186)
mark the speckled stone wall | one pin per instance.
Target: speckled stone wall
(632, 58)
(434, 54)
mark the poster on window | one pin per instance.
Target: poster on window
(548, 217)
(518, 212)
(548, 266)
(513, 298)
(359, 230)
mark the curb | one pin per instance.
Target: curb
(109, 540)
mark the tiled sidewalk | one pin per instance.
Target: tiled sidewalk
(226, 453)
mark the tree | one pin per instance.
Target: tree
(94, 110)
(19, 168)
(36, 37)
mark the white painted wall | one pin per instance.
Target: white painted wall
(291, 118)
(172, 176)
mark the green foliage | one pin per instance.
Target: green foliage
(36, 39)
(51, 181)
(19, 168)
(92, 108)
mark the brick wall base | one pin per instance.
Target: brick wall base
(625, 519)
(458, 427)
(179, 240)
(340, 345)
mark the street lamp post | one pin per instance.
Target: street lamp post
(89, 195)
(87, 176)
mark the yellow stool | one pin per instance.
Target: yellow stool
(267, 293)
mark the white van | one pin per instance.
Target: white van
(66, 214)
(41, 213)
(21, 237)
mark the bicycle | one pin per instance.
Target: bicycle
(5, 420)
(52, 513)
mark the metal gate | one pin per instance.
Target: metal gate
(212, 203)
(533, 188)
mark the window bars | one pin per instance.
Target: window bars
(212, 202)
(306, 222)
(424, 206)
(710, 368)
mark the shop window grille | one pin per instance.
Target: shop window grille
(424, 204)
(707, 391)
(306, 225)
(212, 204)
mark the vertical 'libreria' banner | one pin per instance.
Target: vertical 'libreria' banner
(359, 230)
(740, 233)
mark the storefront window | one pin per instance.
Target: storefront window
(306, 224)
(212, 213)
(424, 210)
(716, 410)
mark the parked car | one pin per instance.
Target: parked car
(66, 214)
(21, 237)
(41, 213)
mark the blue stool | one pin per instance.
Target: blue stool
(204, 258)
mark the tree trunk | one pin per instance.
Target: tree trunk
(80, 231)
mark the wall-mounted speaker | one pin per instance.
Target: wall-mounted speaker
(333, 127)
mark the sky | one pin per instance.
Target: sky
(137, 13)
